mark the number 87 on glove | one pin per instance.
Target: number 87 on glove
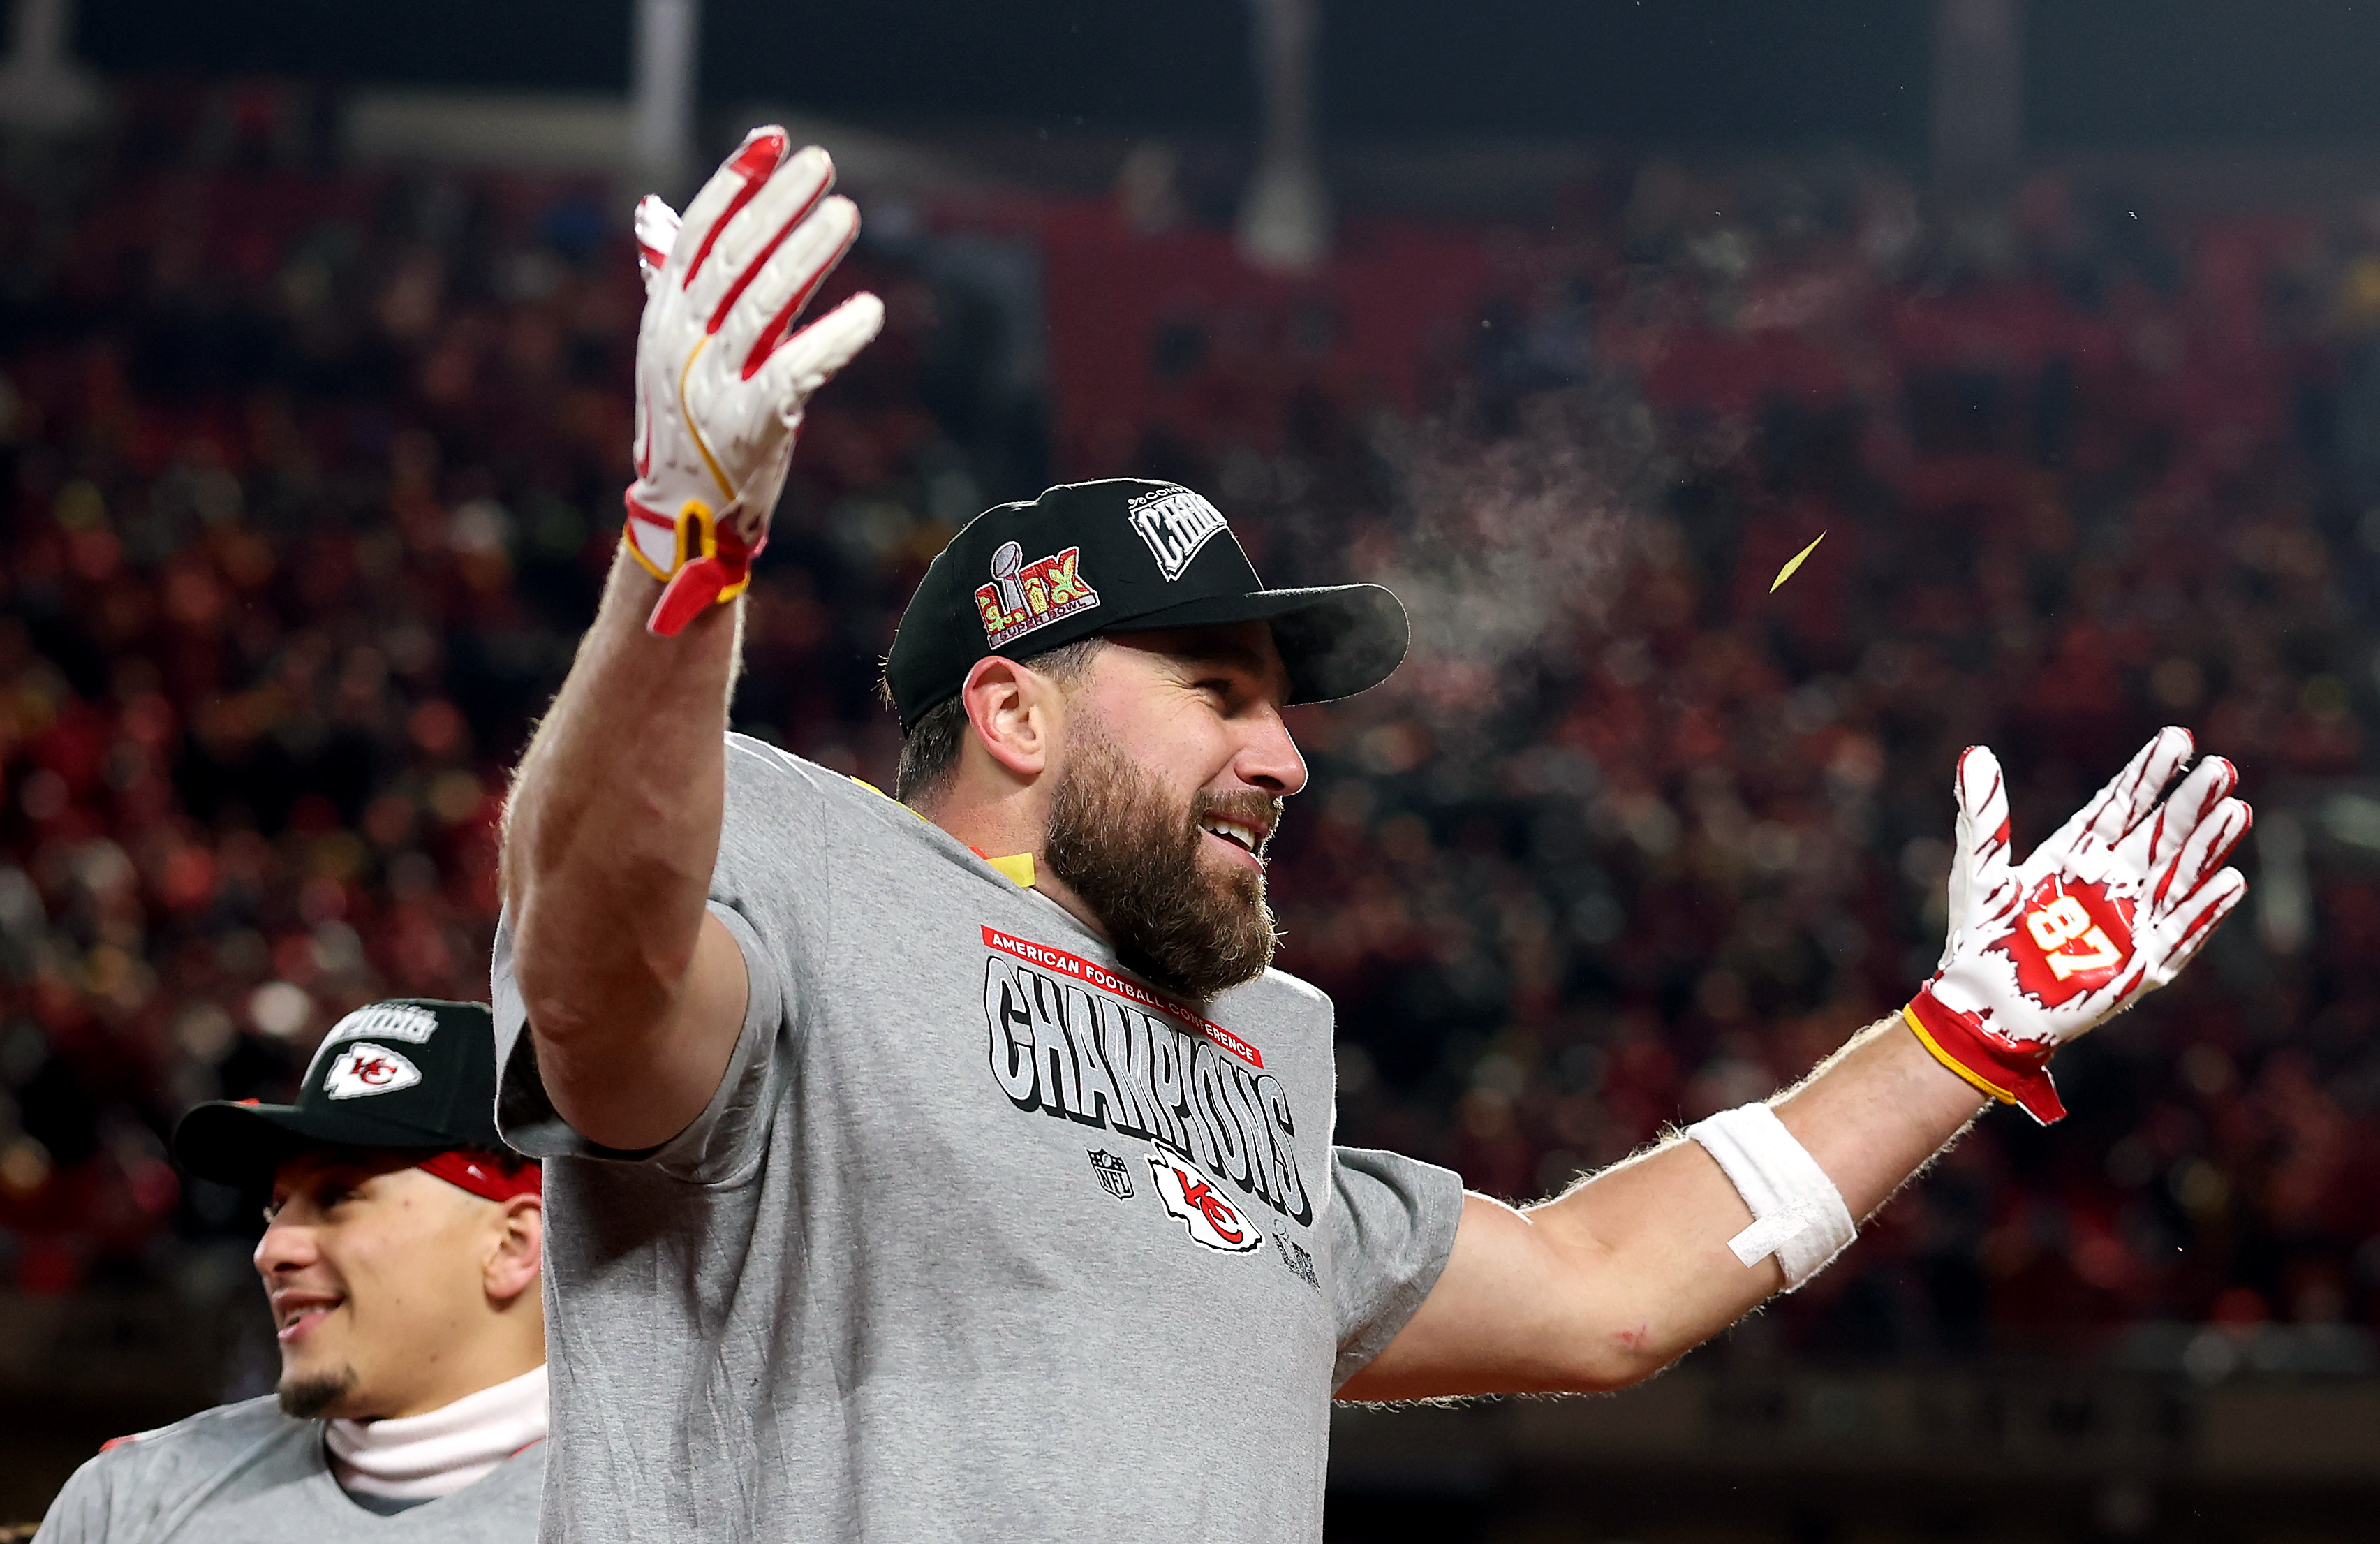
(2111, 907)
(721, 375)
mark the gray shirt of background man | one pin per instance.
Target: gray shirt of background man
(249, 1474)
(978, 1239)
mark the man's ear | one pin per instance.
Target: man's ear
(1013, 711)
(519, 1255)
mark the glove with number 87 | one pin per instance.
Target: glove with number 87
(2111, 907)
(721, 377)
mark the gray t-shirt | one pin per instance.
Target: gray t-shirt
(978, 1239)
(247, 1474)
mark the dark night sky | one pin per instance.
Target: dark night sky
(2109, 72)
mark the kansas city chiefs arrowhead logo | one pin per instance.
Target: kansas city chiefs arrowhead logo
(364, 1068)
(1193, 1198)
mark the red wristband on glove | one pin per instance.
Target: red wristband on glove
(2014, 1071)
(713, 565)
(706, 581)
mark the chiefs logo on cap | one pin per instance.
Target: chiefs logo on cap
(1195, 1199)
(363, 1069)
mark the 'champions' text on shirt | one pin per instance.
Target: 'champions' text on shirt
(1060, 1041)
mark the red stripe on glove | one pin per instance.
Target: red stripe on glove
(752, 268)
(779, 331)
(2014, 1071)
(755, 163)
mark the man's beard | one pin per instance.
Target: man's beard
(1140, 868)
(308, 1397)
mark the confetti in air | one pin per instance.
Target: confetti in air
(1795, 561)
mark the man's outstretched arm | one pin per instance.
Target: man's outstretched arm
(1610, 1282)
(633, 991)
(1629, 1270)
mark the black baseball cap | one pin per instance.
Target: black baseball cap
(413, 1072)
(1116, 556)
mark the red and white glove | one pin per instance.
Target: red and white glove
(2111, 907)
(721, 377)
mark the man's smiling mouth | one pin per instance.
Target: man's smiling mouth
(1241, 831)
(293, 1313)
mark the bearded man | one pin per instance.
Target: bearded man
(957, 1167)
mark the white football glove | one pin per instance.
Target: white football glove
(721, 377)
(2111, 907)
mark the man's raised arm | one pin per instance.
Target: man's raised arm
(633, 991)
(1610, 1282)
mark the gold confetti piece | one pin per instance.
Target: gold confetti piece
(1795, 561)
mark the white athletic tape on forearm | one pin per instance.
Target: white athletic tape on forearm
(1797, 1213)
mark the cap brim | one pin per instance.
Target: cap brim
(242, 1144)
(1336, 639)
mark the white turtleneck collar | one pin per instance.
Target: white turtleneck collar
(420, 1458)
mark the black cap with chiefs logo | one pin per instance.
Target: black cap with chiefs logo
(414, 1073)
(1116, 556)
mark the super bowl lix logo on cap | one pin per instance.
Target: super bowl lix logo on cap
(1176, 523)
(363, 1069)
(1027, 597)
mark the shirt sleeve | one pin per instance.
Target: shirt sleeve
(758, 892)
(1391, 1228)
(724, 1143)
(78, 1516)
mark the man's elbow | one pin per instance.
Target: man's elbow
(1581, 1328)
(1607, 1361)
(1608, 1341)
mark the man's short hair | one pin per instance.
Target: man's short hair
(932, 753)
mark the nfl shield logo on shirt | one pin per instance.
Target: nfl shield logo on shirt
(1114, 1178)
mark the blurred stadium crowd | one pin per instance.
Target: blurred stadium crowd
(309, 476)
